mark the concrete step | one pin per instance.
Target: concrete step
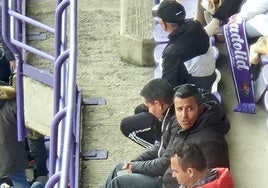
(38, 105)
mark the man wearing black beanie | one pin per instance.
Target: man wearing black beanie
(188, 56)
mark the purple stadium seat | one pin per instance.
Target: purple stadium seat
(266, 100)
(266, 105)
(158, 53)
(265, 75)
(264, 59)
(158, 72)
(160, 36)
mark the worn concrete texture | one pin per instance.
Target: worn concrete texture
(38, 105)
(136, 36)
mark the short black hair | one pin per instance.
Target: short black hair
(190, 155)
(158, 89)
(188, 90)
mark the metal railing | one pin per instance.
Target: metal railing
(65, 128)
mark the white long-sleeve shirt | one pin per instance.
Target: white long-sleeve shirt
(255, 12)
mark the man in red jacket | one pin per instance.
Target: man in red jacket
(190, 169)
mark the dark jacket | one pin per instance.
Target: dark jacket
(5, 55)
(8, 54)
(208, 132)
(188, 54)
(5, 71)
(13, 156)
(155, 161)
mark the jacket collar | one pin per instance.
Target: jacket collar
(2, 102)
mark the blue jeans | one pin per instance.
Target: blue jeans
(131, 180)
(38, 151)
(19, 179)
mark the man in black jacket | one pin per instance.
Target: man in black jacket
(13, 158)
(7, 59)
(148, 168)
(188, 56)
(200, 120)
(202, 123)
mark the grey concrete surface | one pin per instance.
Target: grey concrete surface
(248, 137)
(38, 106)
(135, 33)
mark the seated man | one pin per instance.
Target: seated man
(13, 158)
(12, 165)
(189, 167)
(187, 58)
(145, 170)
(202, 123)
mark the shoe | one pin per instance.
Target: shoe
(254, 58)
(261, 46)
(208, 16)
(213, 27)
(4, 185)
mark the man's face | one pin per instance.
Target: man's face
(182, 177)
(187, 111)
(155, 109)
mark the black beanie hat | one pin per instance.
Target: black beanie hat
(171, 11)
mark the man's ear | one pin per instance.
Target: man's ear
(190, 172)
(163, 24)
(159, 104)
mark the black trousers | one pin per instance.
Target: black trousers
(5, 71)
(142, 127)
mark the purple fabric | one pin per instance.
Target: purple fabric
(237, 46)
(264, 59)
(266, 100)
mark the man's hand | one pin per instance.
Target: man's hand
(232, 19)
(127, 167)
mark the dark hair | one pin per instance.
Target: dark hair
(190, 156)
(158, 89)
(188, 90)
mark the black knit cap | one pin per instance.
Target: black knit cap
(171, 11)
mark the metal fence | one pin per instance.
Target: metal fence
(65, 128)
